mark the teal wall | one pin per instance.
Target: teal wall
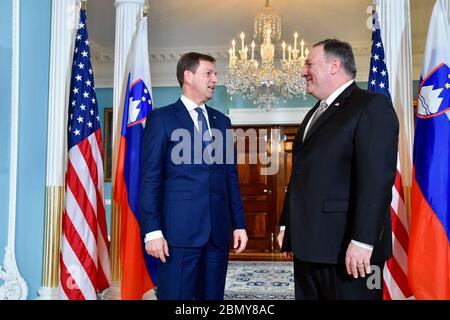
(105, 100)
(5, 116)
(35, 22)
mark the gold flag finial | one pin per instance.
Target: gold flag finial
(146, 8)
(83, 4)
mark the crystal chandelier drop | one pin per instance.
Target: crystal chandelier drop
(262, 82)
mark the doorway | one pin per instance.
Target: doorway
(263, 190)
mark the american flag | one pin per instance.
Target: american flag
(395, 283)
(84, 259)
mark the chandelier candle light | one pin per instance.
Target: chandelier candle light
(264, 83)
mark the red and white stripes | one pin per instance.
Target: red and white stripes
(84, 255)
(396, 269)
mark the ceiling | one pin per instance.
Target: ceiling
(209, 25)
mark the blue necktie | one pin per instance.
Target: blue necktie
(203, 128)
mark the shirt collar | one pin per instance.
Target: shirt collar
(191, 105)
(337, 92)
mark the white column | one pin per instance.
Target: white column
(126, 14)
(446, 5)
(14, 286)
(395, 21)
(64, 22)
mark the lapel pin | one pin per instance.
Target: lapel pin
(214, 117)
(337, 104)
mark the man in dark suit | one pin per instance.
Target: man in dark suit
(337, 208)
(190, 205)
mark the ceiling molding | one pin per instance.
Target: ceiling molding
(101, 55)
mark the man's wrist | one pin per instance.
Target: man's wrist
(153, 235)
(362, 245)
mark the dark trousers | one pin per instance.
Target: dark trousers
(193, 273)
(319, 281)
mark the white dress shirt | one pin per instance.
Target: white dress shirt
(190, 106)
(329, 101)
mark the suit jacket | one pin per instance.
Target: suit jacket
(188, 202)
(342, 177)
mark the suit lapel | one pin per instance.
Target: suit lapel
(183, 116)
(213, 124)
(212, 118)
(301, 129)
(335, 105)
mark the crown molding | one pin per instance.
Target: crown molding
(103, 55)
(99, 54)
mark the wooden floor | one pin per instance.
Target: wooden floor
(258, 256)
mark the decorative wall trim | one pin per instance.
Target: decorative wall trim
(253, 116)
(99, 54)
(14, 287)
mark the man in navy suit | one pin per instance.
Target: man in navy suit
(337, 207)
(190, 205)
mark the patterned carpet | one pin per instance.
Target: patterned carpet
(248, 280)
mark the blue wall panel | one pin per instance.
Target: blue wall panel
(35, 22)
(5, 116)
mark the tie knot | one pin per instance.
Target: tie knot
(323, 105)
(199, 110)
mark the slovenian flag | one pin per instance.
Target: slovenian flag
(429, 251)
(138, 268)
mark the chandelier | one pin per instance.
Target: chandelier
(266, 84)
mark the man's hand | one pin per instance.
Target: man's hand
(240, 240)
(280, 238)
(157, 248)
(357, 260)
